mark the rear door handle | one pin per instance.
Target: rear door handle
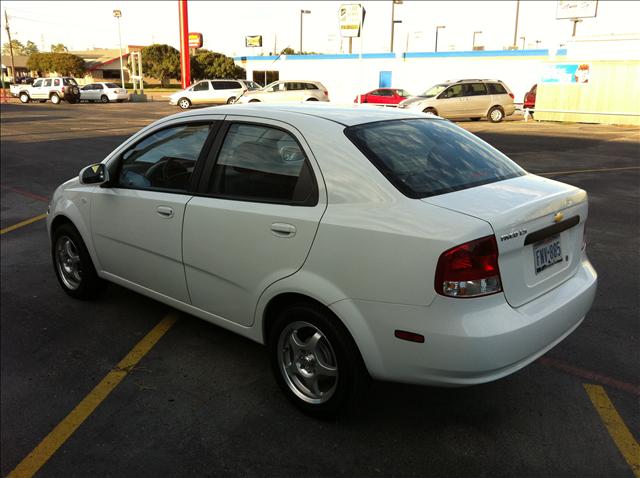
(165, 211)
(281, 229)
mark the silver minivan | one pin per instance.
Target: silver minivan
(212, 92)
(474, 99)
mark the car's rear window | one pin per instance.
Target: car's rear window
(427, 157)
(112, 85)
(497, 89)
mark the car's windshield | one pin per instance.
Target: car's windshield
(403, 93)
(69, 81)
(427, 157)
(434, 91)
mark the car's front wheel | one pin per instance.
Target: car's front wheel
(231, 100)
(430, 111)
(72, 263)
(24, 98)
(315, 360)
(184, 103)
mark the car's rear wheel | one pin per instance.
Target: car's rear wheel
(254, 101)
(430, 110)
(312, 99)
(55, 99)
(184, 103)
(72, 263)
(231, 100)
(24, 97)
(104, 99)
(315, 360)
(496, 114)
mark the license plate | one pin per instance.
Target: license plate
(547, 253)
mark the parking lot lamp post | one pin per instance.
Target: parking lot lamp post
(438, 28)
(118, 14)
(302, 12)
(473, 45)
(393, 20)
(523, 39)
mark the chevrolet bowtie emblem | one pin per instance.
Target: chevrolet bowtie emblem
(558, 217)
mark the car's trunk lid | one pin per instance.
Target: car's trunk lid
(538, 225)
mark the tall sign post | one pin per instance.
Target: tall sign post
(351, 18)
(117, 14)
(255, 41)
(185, 65)
(575, 11)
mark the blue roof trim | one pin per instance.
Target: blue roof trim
(417, 54)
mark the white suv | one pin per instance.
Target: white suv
(55, 89)
(212, 92)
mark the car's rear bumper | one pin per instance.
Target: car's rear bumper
(467, 341)
(118, 96)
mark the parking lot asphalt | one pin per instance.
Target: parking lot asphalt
(202, 401)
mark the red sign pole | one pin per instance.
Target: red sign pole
(185, 65)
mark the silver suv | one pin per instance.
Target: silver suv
(287, 90)
(55, 89)
(473, 99)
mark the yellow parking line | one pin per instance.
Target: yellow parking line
(26, 222)
(621, 435)
(61, 433)
(587, 171)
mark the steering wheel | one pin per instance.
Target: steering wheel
(165, 172)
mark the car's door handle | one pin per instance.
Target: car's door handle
(165, 211)
(281, 229)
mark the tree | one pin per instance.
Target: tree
(213, 65)
(62, 63)
(58, 48)
(287, 51)
(18, 48)
(161, 62)
(30, 48)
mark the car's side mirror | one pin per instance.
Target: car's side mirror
(94, 174)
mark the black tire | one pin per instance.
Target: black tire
(24, 97)
(344, 390)
(104, 99)
(496, 114)
(430, 110)
(312, 99)
(55, 99)
(184, 103)
(475, 119)
(231, 100)
(254, 101)
(88, 284)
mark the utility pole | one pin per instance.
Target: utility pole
(515, 32)
(13, 66)
(574, 20)
(473, 45)
(393, 20)
(302, 12)
(437, 28)
(118, 14)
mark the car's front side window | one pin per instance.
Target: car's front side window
(202, 86)
(454, 91)
(263, 164)
(37, 83)
(164, 160)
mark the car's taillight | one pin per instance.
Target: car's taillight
(326, 93)
(511, 95)
(469, 270)
(584, 237)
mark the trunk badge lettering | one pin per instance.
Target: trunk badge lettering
(511, 235)
(558, 217)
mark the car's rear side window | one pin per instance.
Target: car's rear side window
(427, 157)
(496, 89)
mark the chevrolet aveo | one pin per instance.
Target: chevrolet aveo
(353, 242)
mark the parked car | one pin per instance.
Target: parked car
(350, 241)
(530, 98)
(55, 89)
(287, 90)
(25, 80)
(212, 92)
(103, 92)
(384, 96)
(459, 99)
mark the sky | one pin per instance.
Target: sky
(224, 24)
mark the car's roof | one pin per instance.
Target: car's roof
(347, 115)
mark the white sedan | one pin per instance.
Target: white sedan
(350, 241)
(103, 92)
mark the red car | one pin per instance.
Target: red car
(530, 98)
(384, 96)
